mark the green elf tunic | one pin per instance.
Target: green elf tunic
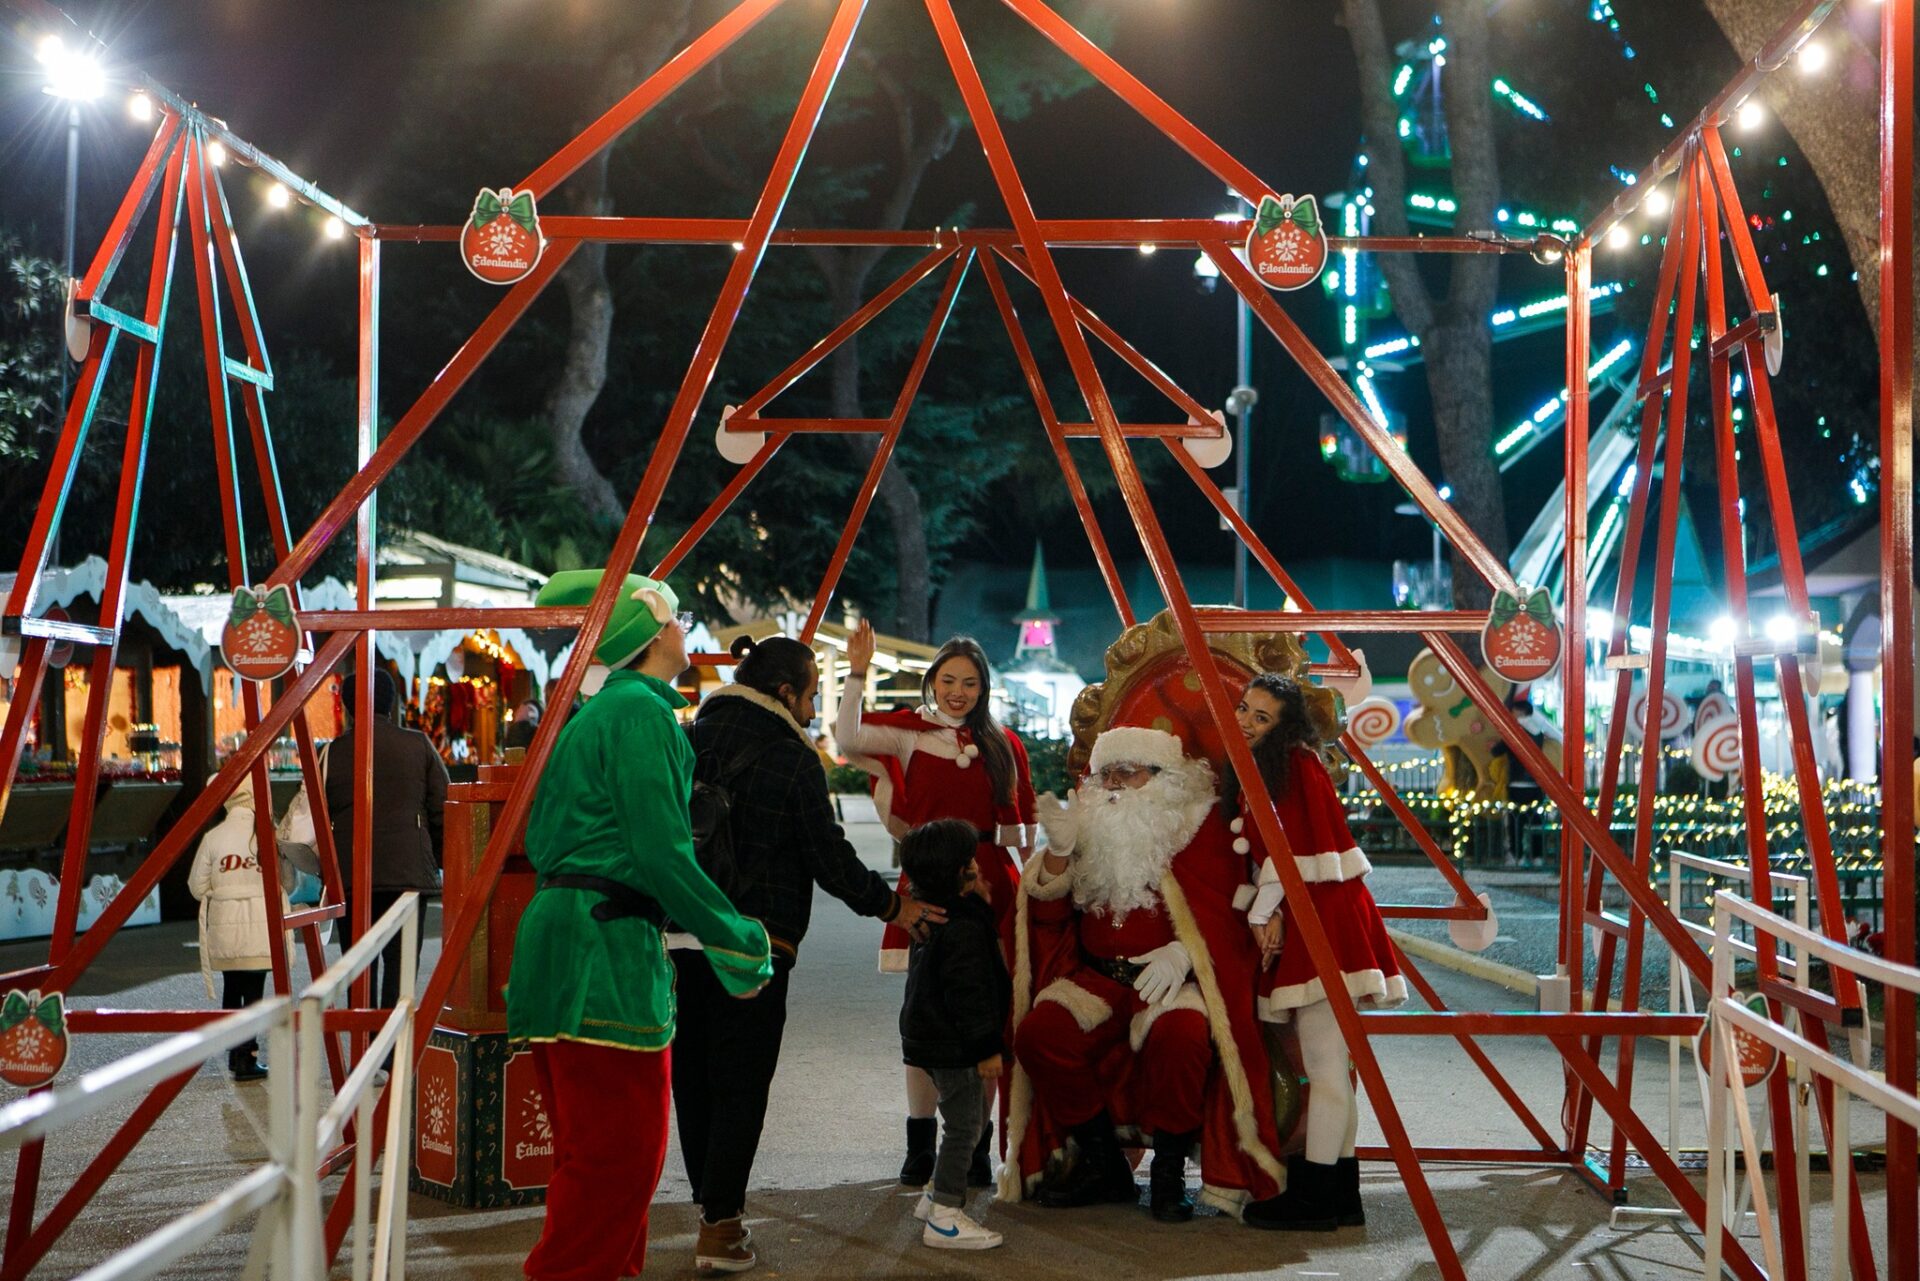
(613, 803)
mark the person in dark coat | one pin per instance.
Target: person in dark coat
(953, 1018)
(409, 799)
(750, 738)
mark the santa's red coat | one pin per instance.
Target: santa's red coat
(1202, 894)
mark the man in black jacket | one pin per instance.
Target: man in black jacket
(750, 738)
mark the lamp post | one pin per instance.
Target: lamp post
(73, 76)
(1243, 397)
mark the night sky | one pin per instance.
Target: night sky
(320, 86)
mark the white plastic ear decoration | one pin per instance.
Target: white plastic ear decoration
(1476, 936)
(737, 447)
(596, 677)
(656, 605)
(1774, 342)
(1209, 451)
(79, 328)
(1354, 690)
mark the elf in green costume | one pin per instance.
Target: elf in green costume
(591, 986)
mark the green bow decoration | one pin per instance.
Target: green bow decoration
(1538, 606)
(278, 604)
(17, 1009)
(488, 207)
(1305, 214)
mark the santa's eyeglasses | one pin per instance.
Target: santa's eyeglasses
(1125, 773)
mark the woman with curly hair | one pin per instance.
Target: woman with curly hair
(1323, 1187)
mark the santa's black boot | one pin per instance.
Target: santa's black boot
(1308, 1205)
(1167, 1182)
(1346, 1201)
(1099, 1175)
(922, 1138)
(980, 1168)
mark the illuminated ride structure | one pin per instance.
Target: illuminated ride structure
(1706, 239)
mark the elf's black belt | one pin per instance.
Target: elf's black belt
(618, 901)
(1124, 972)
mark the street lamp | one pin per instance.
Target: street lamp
(1243, 397)
(73, 75)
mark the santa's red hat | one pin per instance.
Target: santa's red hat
(1137, 745)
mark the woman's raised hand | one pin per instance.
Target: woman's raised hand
(860, 647)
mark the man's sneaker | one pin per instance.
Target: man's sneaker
(725, 1246)
(949, 1228)
(923, 1207)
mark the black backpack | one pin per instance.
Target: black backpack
(710, 811)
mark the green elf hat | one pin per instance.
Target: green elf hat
(643, 606)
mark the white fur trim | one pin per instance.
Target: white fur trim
(1371, 988)
(1344, 865)
(765, 703)
(1243, 898)
(1189, 998)
(1246, 1129)
(1136, 745)
(893, 960)
(1036, 881)
(1014, 834)
(963, 761)
(972, 750)
(1088, 1010)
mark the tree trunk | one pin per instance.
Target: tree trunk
(913, 570)
(1460, 377)
(583, 370)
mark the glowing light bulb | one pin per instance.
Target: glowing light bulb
(140, 107)
(1657, 202)
(335, 229)
(278, 196)
(1780, 629)
(1813, 57)
(1618, 237)
(1751, 116)
(217, 153)
(1146, 251)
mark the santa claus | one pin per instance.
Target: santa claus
(1134, 994)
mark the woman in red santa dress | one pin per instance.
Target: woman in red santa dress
(947, 758)
(1323, 1187)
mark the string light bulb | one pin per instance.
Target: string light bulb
(139, 107)
(1618, 237)
(278, 196)
(1657, 202)
(335, 229)
(1751, 115)
(1813, 57)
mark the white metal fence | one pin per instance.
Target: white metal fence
(1850, 1080)
(283, 1191)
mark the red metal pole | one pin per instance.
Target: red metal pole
(1896, 602)
(1050, 423)
(1140, 505)
(214, 358)
(1733, 558)
(1573, 660)
(458, 933)
(883, 453)
(161, 156)
(367, 439)
(133, 463)
(683, 66)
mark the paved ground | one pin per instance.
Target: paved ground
(825, 1205)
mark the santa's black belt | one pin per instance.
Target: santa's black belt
(618, 901)
(1124, 972)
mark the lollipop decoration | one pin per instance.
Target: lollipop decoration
(1673, 715)
(1716, 748)
(1374, 721)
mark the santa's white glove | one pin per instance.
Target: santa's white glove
(1060, 820)
(1165, 974)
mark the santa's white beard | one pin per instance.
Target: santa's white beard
(1128, 837)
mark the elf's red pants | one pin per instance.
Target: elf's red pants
(1168, 1081)
(608, 1109)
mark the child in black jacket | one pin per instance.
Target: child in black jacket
(953, 1020)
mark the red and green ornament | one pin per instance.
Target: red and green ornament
(1287, 246)
(261, 639)
(33, 1037)
(1521, 640)
(501, 241)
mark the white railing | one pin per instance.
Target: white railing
(318, 1131)
(266, 1190)
(289, 1236)
(1680, 998)
(1849, 1079)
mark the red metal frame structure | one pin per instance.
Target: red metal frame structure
(177, 168)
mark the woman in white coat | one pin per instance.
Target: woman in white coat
(233, 917)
